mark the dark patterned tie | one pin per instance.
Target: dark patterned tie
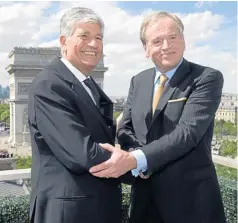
(88, 82)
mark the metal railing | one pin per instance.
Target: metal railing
(225, 161)
(26, 173)
(228, 189)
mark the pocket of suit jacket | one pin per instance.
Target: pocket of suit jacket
(68, 198)
(79, 209)
(173, 111)
(177, 100)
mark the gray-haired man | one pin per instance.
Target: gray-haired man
(68, 116)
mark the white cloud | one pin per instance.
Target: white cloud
(52, 43)
(200, 4)
(20, 21)
(26, 25)
(4, 77)
(201, 26)
(223, 61)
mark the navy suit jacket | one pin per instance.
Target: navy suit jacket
(66, 127)
(176, 141)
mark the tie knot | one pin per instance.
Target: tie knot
(88, 82)
(163, 78)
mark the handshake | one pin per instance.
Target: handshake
(120, 163)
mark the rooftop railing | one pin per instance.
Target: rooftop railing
(14, 209)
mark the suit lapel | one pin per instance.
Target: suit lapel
(182, 70)
(83, 95)
(106, 105)
(89, 104)
(146, 94)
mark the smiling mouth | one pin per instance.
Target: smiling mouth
(89, 53)
(167, 54)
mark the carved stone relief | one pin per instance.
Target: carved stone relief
(25, 120)
(23, 88)
(12, 89)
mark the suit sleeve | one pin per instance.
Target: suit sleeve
(197, 116)
(64, 130)
(125, 134)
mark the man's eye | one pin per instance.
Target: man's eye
(99, 38)
(84, 36)
(157, 41)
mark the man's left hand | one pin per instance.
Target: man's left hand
(120, 163)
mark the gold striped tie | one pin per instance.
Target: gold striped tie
(162, 80)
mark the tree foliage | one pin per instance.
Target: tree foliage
(4, 113)
(229, 149)
(226, 172)
(222, 127)
(24, 162)
(116, 114)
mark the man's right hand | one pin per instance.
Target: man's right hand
(120, 163)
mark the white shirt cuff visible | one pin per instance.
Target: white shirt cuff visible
(141, 162)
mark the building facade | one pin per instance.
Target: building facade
(227, 110)
(227, 113)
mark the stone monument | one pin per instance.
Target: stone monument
(25, 64)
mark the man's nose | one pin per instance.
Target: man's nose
(165, 44)
(93, 43)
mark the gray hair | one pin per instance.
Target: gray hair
(78, 15)
(155, 16)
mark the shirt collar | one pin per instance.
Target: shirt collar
(169, 73)
(74, 70)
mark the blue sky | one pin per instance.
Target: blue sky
(225, 8)
(229, 9)
(53, 8)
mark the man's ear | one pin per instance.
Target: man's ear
(184, 44)
(146, 51)
(63, 43)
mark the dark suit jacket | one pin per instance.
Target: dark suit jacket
(176, 141)
(66, 128)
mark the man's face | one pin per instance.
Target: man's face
(164, 44)
(84, 47)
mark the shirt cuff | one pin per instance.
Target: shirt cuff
(141, 162)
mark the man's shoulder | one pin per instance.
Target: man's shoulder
(46, 75)
(47, 79)
(199, 71)
(149, 71)
(202, 68)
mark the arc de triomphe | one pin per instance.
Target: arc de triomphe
(25, 63)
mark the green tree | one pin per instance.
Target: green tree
(4, 107)
(226, 172)
(5, 115)
(222, 127)
(116, 114)
(229, 148)
(24, 162)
